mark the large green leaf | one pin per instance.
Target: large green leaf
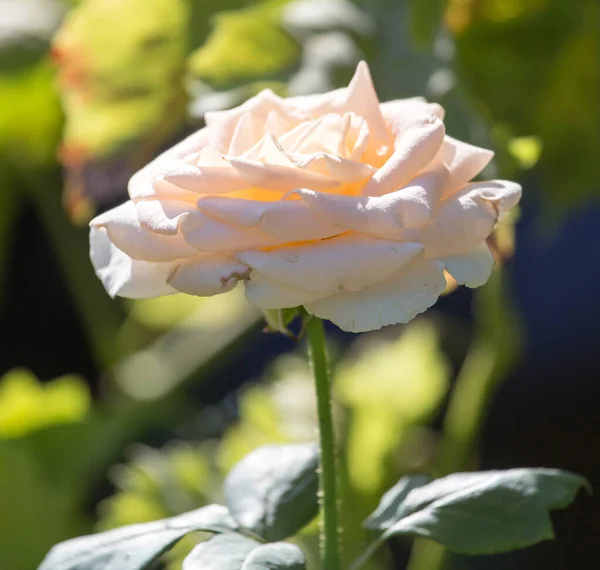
(134, 547)
(273, 490)
(487, 512)
(244, 45)
(235, 552)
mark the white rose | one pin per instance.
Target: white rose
(349, 207)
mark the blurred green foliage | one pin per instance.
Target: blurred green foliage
(123, 79)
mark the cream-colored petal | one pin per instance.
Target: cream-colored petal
(466, 218)
(209, 234)
(395, 300)
(214, 178)
(343, 170)
(141, 184)
(504, 195)
(402, 110)
(382, 216)
(464, 162)
(209, 275)
(361, 98)
(162, 216)
(414, 148)
(473, 268)
(123, 276)
(244, 136)
(270, 294)
(222, 124)
(287, 220)
(124, 230)
(348, 262)
(281, 178)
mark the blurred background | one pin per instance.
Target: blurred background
(114, 412)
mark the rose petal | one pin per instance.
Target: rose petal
(395, 300)
(212, 174)
(401, 111)
(207, 275)
(124, 230)
(466, 218)
(380, 216)
(280, 178)
(244, 136)
(162, 216)
(464, 162)
(287, 220)
(222, 124)
(472, 269)
(141, 184)
(414, 148)
(361, 98)
(346, 262)
(269, 294)
(208, 234)
(126, 277)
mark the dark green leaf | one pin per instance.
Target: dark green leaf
(235, 552)
(134, 547)
(273, 490)
(391, 507)
(488, 512)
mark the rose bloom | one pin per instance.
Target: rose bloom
(352, 208)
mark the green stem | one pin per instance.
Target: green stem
(330, 543)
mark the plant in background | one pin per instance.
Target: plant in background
(337, 207)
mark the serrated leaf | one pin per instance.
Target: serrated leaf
(390, 508)
(235, 552)
(134, 547)
(273, 490)
(487, 512)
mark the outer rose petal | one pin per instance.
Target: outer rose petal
(141, 183)
(206, 233)
(207, 275)
(287, 220)
(269, 294)
(381, 216)
(464, 162)
(472, 269)
(467, 218)
(402, 110)
(347, 262)
(124, 230)
(396, 300)
(124, 276)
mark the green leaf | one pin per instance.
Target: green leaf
(487, 512)
(245, 44)
(273, 490)
(235, 552)
(274, 556)
(391, 508)
(134, 547)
